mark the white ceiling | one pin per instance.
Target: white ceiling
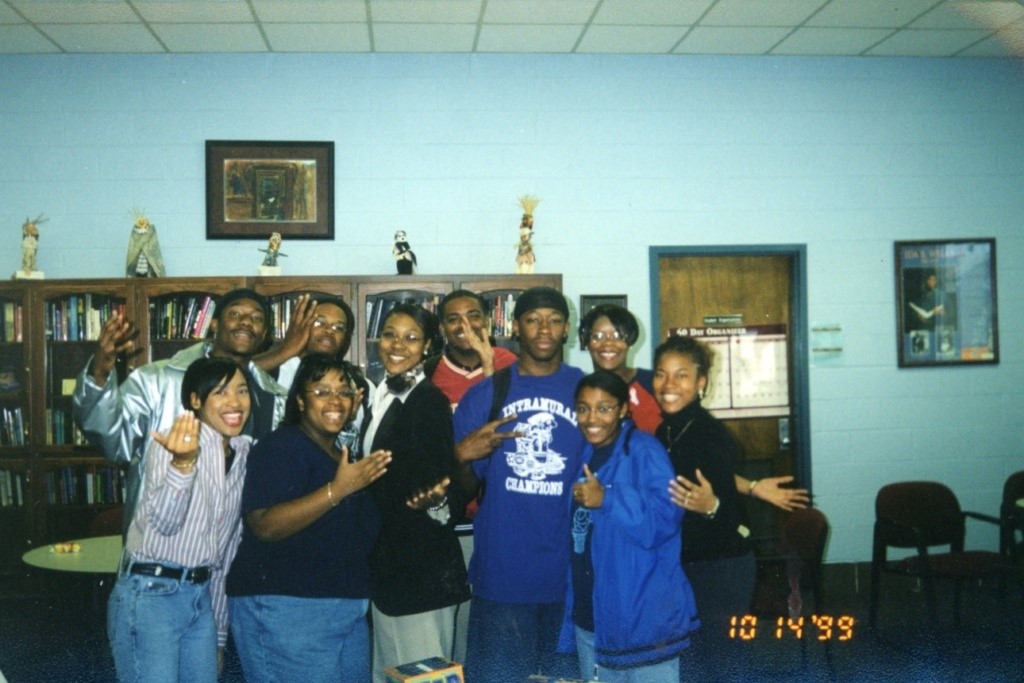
(925, 28)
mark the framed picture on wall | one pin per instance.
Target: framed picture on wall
(254, 189)
(589, 301)
(946, 302)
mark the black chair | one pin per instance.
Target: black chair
(1011, 516)
(922, 515)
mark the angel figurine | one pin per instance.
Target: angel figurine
(525, 257)
(144, 257)
(405, 259)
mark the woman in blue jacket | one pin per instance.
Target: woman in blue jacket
(630, 603)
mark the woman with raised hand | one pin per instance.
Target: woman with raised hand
(417, 572)
(299, 588)
(167, 617)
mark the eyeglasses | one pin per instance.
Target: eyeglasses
(599, 337)
(324, 392)
(604, 410)
(340, 328)
(392, 337)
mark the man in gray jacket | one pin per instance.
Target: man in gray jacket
(120, 418)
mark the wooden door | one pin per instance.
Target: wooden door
(746, 305)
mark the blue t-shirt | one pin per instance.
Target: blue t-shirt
(520, 534)
(327, 559)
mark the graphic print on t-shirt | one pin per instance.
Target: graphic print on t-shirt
(534, 460)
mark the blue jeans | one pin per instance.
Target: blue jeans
(508, 642)
(662, 672)
(161, 630)
(284, 639)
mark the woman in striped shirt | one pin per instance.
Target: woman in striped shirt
(167, 616)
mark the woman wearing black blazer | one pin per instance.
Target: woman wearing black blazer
(418, 576)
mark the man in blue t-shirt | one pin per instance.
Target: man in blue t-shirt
(527, 460)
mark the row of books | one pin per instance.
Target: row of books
(61, 429)
(12, 427)
(84, 485)
(10, 322)
(377, 310)
(181, 317)
(501, 314)
(80, 317)
(11, 489)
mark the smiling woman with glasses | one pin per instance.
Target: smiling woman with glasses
(300, 586)
(418, 574)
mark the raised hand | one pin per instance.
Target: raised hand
(182, 440)
(296, 337)
(481, 442)
(589, 493)
(117, 336)
(355, 476)
(771, 491)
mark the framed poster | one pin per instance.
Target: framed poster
(254, 189)
(946, 302)
(589, 301)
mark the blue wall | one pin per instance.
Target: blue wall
(844, 155)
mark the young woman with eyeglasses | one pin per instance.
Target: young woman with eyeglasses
(300, 585)
(418, 575)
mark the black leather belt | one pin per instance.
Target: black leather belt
(196, 575)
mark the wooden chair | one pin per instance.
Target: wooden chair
(922, 515)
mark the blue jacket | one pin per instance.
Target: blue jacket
(644, 610)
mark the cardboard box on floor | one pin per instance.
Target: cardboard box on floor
(430, 670)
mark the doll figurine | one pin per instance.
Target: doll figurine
(525, 257)
(30, 243)
(405, 259)
(144, 257)
(272, 251)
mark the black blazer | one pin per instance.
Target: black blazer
(417, 564)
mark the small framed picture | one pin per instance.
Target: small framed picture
(589, 301)
(255, 189)
(946, 302)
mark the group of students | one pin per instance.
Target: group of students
(607, 519)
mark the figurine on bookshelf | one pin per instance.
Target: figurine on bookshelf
(29, 247)
(405, 259)
(525, 257)
(144, 257)
(273, 250)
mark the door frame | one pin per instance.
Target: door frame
(800, 418)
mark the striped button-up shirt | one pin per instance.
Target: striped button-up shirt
(192, 520)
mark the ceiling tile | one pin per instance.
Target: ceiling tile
(447, 12)
(211, 37)
(297, 11)
(1007, 43)
(990, 15)
(834, 41)
(871, 13)
(423, 37)
(85, 12)
(761, 12)
(112, 38)
(9, 16)
(322, 37)
(731, 40)
(912, 42)
(175, 11)
(24, 40)
(631, 39)
(539, 11)
(521, 38)
(657, 12)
